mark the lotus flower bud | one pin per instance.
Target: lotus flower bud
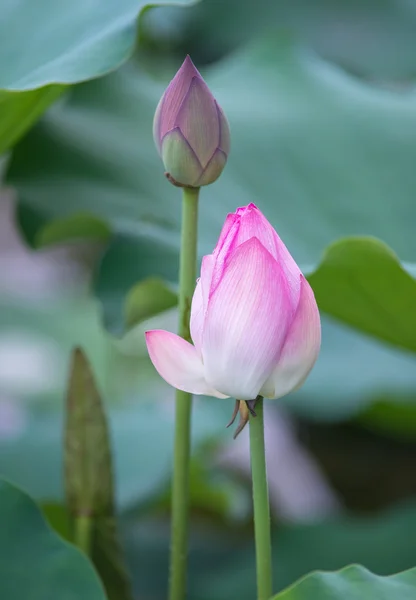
(254, 319)
(190, 130)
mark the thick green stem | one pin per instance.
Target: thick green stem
(180, 485)
(82, 533)
(261, 505)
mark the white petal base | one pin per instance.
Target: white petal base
(178, 362)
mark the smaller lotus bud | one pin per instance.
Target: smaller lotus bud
(190, 130)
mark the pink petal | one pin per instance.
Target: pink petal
(213, 169)
(178, 362)
(198, 120)
(200, 301)
(225, 231)
(224, 248)
(254, 224)
(248, 222)
(173, 97)
(224, 142)
(301, 347)
(156, 126)
(197, 317)
(246, 323)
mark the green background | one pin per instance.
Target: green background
(321, 102)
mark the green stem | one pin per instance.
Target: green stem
(82, 533)
(261, 505)
(180, 484)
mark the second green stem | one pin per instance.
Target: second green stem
(261, 505)
(180, 484)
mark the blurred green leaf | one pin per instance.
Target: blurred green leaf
(213, 492)
(352, 371)
(361, 282)
(89, 478)
(129, 262)
(395, 419)
(85, 226)
(353, 583)
(374, 38)
(146, 299)
(18, 111)
(36, 563)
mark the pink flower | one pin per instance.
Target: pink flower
(190, 130)
(254, 319)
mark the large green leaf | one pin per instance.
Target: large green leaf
(58, 44)
(36, 564)
(222, 559)
(66, 43)
(302, 132)
(353, 583)
(362, 282)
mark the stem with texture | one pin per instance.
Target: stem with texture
(82, 533)
(180, 484)
(261, 504)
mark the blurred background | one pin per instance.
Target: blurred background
(322, 106)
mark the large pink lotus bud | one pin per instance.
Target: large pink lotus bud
(254, 319)
(190, 130)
